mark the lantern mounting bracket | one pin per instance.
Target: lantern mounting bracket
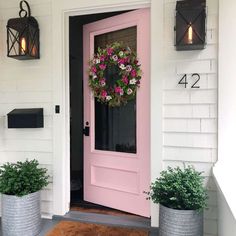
(27, 13)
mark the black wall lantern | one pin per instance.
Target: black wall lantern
(190, 25)
(23, 35)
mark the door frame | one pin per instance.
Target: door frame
(61, 122)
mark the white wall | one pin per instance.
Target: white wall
(225, 168)
(27, 84)
(184, 121)
(190, 115)
(227, 85)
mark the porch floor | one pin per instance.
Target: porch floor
(123, 221)
(47, 225)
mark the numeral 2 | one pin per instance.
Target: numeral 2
(197, 76)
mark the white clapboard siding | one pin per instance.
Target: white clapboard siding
(28, 84)
(190, 115)
(189, 154)
(6, 107)
(10, 156)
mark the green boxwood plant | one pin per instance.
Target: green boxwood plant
(22, 178)
(180, 189)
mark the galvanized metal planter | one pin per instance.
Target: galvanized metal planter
(21, 215)
(180, 222)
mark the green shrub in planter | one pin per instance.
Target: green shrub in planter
(179, 189)
(20, 185)
(22, 178)
(182, 198)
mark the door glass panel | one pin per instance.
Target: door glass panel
(115, 128)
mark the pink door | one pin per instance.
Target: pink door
(117, 150)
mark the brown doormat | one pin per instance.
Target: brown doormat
(70, 228)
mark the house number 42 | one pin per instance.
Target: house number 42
(194, 79)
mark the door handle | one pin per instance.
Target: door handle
(86, 129)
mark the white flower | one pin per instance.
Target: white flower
(121, 53)
(114, 57)
(129, 91)
(128, 68)
(97, 61)
(108, 98)
(103, 83)
(94, 76)
(132, 81)
(122, 66)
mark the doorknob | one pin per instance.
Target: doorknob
(86, 129)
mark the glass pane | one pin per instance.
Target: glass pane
(115, 128)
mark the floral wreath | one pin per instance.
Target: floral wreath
(129, 72)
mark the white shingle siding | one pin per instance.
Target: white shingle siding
(190, 115)
(28, 84)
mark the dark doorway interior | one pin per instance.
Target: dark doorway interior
(76, 101)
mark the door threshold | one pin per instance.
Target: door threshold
(89, 207)
(130, 221)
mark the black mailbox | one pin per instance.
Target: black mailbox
(25, 118)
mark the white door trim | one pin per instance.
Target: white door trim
(61, 123)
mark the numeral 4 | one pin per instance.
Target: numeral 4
(184, 81)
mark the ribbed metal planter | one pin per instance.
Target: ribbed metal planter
(180, 222)
(21, 215)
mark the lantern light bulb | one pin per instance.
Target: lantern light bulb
(23, 45)
(190, 33)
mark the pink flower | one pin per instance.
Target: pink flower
(121, 61)
(114, 57)
(102, 58)
(94, 69)
(133, 73)
(125, 80)
(119, 90)
(103, 93)
(102, 82)
(128, 68)
(102, 66)
(110, 51)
